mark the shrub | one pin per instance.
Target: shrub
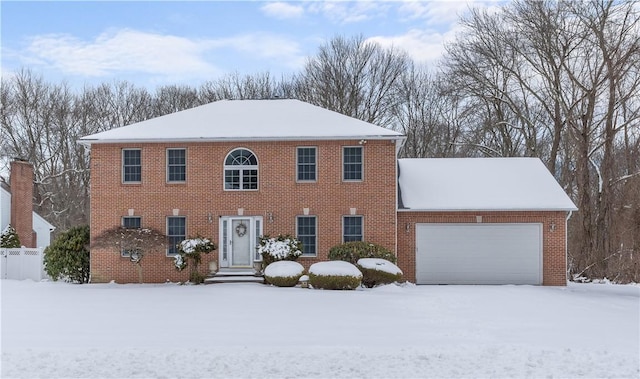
(352, 251)
(190, 250)
(196, 278)
(283, 273)
(280, 248)
(67, 257)
(376, 271)
(9, 238)
(335, 275)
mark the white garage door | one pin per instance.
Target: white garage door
(478, 253)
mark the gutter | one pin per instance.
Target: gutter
(89, 142)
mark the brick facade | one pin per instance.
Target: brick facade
(554, 262)
(203, 200)
(22, 202)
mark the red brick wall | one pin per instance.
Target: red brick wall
(22, 202)
(329, 198)
(554, 260)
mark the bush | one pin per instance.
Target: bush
(67, 257)
(376, 271)
(9, 238)
(283, 273)
(190, 250)
(334, 275)
(280, 248)
(352, 251)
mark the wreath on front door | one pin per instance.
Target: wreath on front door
(241, 229)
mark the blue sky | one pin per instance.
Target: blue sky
(153, 43)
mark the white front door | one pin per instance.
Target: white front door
(241, 243)
(239, 239)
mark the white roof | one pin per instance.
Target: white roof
(479, 184)
(281, 119)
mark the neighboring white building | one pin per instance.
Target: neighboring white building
(41, 227)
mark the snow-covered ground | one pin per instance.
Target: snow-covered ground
(52, 330)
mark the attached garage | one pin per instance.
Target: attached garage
(479, 253)
(481, 221)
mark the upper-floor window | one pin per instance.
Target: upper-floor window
(177, 232)
(131, 165)
(351, 228)
(352, 163)
(306, 164)
(130, 222)
(176, 165)
(241, 170)
(307, 234)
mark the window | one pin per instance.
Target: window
(307, 234)
(177, 232)
(176, 165)
(130, 222)
(351, 228)
(241, 170)
(306, 167)
(352, 163)
(131, 166)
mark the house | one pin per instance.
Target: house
(16, 207)
(234, 170)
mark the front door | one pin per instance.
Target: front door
(241, 243)
(239, 237)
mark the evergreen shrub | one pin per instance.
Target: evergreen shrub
(352, 251)
(67, 257)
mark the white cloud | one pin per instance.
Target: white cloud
(441, 12)
(123, 50)
(264, 46)
(424, 46)
(282, 10)
(345, 12)
(127, 51)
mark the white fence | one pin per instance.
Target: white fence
(22, 263)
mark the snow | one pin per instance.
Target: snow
(485, 184)
(53, 330)
(380, 265)
(338, 268)
(246, 120)
(284, 269)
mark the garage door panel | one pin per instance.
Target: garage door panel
(478, 253)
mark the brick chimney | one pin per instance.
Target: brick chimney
(21, 182)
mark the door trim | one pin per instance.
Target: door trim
(225, 252)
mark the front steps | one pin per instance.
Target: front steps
(234, 276)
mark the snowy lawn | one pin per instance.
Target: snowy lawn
(52, 330)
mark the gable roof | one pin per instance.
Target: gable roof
(6, 190)
(237, 120)
(479, 184)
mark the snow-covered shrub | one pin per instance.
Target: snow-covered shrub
(190, 250)
(352, 251)
(67, 257)
(9, 238)
(334, 275)
(280, 248)
(376, 271)
(283, 273)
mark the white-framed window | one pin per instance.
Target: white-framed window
(241, 171)
(176, 165)
(307, 233)
(176, 233)
(306, 164)
(352, 163)
(352, 228)
(131, 165)
(130, 222)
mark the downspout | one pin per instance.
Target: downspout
(566, 240)
(399, 143)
